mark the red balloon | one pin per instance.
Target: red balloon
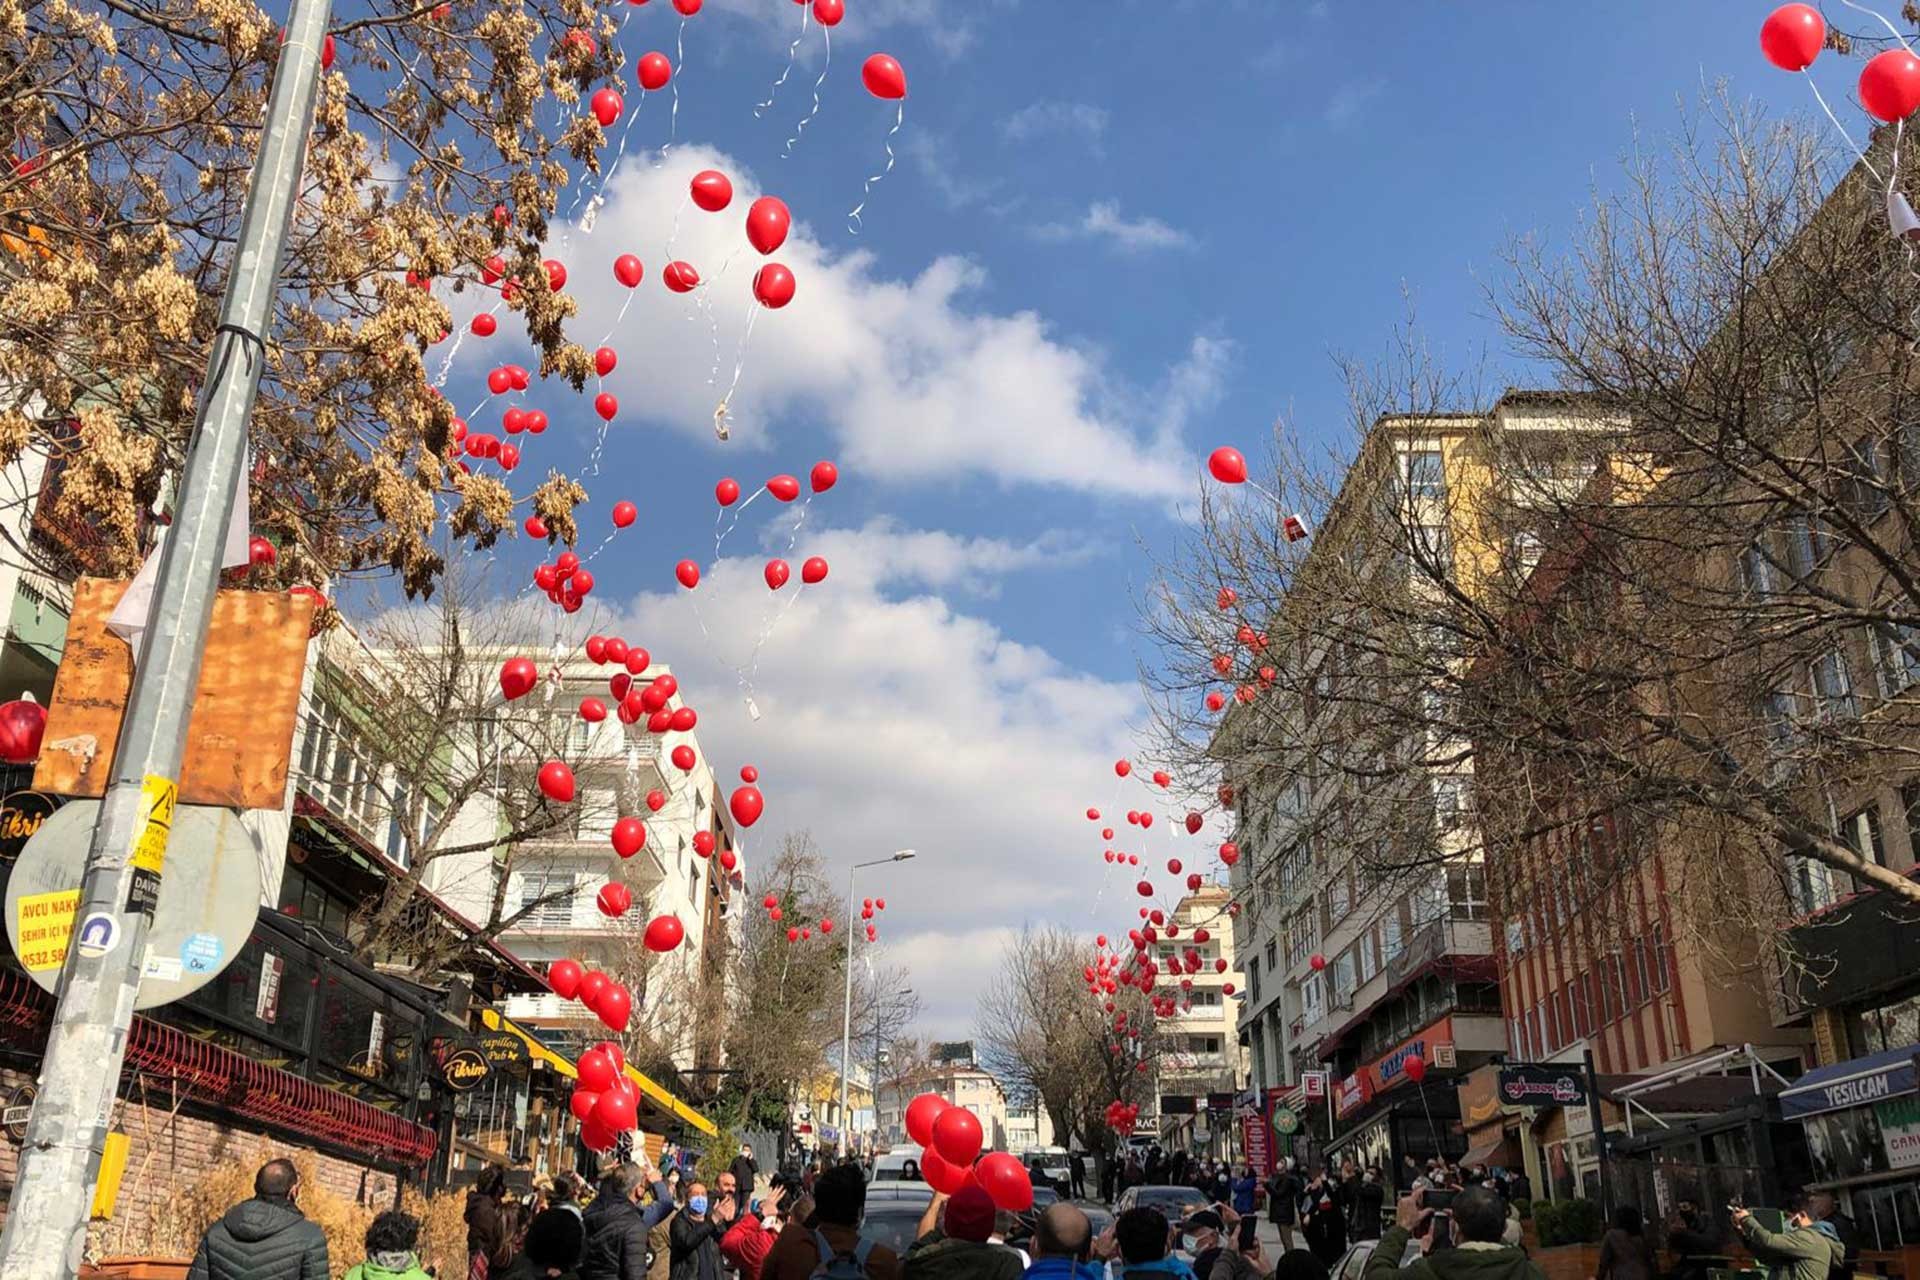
(689, 574)
(597, 1070)
(484, 325)
(703, 843)
(613, 899)
(615, 651)
(1194, 822)
(1122, 768)
(629, 837)
(1229, 852)
(823, 476)
(592, 710)
(1792, 36)
(616, 1113)
(654, 70)
(687, 8)
(628, 270)
(777, 573)
(597, 1137)
(814, 570)
(829, 12)
(773, 286)
(535, 527)
(624, 514)
(711, 190)
(1316, 962)
(767, 224)
(884, 77)
(518, 676)
(1415, 1066)
(746, 804)
(793, 935)
(638, 660)
(1890, 85)
(615, 1007)
(664, 933)
(659, 721)
(556, 281)
(784, 487)
(1144, 888)
(1006, 1181)
(681, 277)
(536, 421)
(606, 405)
(1227, 465)
(509, 456)
(261, 552)
(563, 977)
(957, 1136)
(727, 492)
(581, 1102)
(656, 800)
(607, 106)
(683, 719)
(921, 1113)
(592, 987)
(749, 774)
(556, 781)
(683, 757)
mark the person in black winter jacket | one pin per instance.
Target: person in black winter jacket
(617, 1229)
(744, 1170)
(694, 1235)
(265, 1238)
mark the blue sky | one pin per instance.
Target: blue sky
(1116, 235)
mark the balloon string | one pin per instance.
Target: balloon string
(597, 182)
(1817, 97)
(853, 218)
(1895, 31)
(446, 361)
(793, 51)
(740, 358)
(737, 513)
(679, 66)
(619, 319)
(599, 446)
(766, 633)
(673, 234)
(802, 126)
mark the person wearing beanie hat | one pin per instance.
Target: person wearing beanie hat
(953, 1242)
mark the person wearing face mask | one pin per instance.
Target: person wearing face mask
(617, 1227)
(1805, 1250)
(829, 1236)
(265, 1238)
(695, 1235)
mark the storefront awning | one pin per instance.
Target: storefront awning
(494, 1021)
(670, 1104)
(1854, 1083)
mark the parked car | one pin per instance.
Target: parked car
(1175, 1202)
(1354, 1260)
(1049, 1168)
(893, 1214)
(902, 1164)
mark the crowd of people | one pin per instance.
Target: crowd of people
(647, 1222)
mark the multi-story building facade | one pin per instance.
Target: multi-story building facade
(1200, 1050)
(1365, 935)
(958, 1078)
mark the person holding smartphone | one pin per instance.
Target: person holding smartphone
(1461, 1236)
(1246, 1260)
(1805, 1250)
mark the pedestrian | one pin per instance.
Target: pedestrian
(1478, 1221)
(390, 1242)
(749, 1240)
(1063, 1246)
(695, 1234)
(1369, 1206)
(565, 1193)
(489, 1245)
(955, 1241)
(1283, 1201)
(828, 1239)
(744, 1170)
(1246, 1189)
(552, 1247)
(1245, 1260)
(1625, 1252)
(265, 1238)
(1143, 1244)
(1805, 1250)
(1077, 1172)
(617, 1227)
(1322, 1224)
(1204, 1227)
(1695, 1244)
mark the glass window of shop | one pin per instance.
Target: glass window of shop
(1845, 1144)
(1893, 1026)
(264, 1000)
(1887, 1217)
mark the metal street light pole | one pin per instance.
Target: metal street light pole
(80, 1072)
(846, 1007)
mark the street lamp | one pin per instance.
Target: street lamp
(846, 1006)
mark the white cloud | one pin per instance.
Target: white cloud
(1344, 107)
(915, 380)
(1051, 119)
(1104, 222)
(891, 719)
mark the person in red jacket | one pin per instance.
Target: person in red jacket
(749, 1240)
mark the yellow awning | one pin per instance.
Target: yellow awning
(672, 1104)
(500, 1022)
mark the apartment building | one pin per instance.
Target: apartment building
(1200, 1051)
(1366, 935)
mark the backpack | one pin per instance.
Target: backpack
(834, 1265)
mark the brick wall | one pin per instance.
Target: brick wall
(169, 1151)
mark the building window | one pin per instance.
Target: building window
(1312, 997)
(1450, 801)
(1339, 898)
(1431, 544)
(1657, 946)
(1776, 711)
(535, 885)
(1807, 542)
(1860, 832)
(1757, 571)
(1832, 685)
(1253, 978)
(1516, 937)
(1392, 937)
(1467, 891)
(1896, 656)
(1272, 963)
(1343, 971)
(1369, 954)
(1865, 484)
(1524, 553)
(1426, 477)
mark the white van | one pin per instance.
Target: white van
(902, 1164)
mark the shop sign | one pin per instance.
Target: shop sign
(459, 1060)
(1391, 1069)
(1858, 1089)
(1900, 1131)
(1313, 1085)
(21, 814)
(1353, 1093)
(1220, 1102)
(1479, 1097)
(506, 1052)
(1286, 1121)
(1253, 1140)
(1542, 1084)
(1176, 1104)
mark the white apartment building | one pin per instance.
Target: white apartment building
(1201, 1051)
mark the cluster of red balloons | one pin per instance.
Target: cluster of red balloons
(1794, 34)
(784, 488)
(610, 1001)
(950, 1159)
(566, 582)
(604, 1099)
(868, 906)
(1122, 1116)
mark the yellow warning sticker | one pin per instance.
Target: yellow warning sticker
(157, 798)
(46, 924)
